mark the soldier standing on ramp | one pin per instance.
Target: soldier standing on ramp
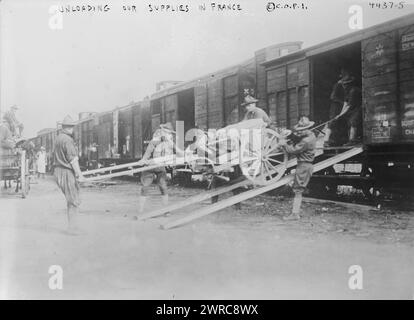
(304, 150)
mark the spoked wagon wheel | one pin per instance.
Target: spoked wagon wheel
(265, 162)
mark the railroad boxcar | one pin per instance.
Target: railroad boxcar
(46, 138)
(131, 131)
(381, 58)
(211, 101)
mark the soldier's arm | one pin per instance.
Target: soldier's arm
(72, 156)
(266, 118)
(296, 148)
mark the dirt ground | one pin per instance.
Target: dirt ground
(232, 254)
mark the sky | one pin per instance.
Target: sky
(98, 61)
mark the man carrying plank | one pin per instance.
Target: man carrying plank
(304, 150)
(67, 172)
(161, 145)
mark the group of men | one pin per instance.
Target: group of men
(345, 92)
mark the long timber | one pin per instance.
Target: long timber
(207, 195)
(253, 193)
(122, 173)
(160, 161)
(201, 197)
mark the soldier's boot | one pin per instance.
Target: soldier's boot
(164, 200)
(297, 202)
(73, 222)
(352, 137)
(141, 204)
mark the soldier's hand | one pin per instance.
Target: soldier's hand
(282, 142)
(81, 178)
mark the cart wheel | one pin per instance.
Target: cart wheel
(267, 163)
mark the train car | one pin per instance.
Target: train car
(289, 82)
(132, 131)
(85, 138)
(211, 101)
(381, 58)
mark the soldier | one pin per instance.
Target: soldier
(253, 112)
(6, 137)
(41, 162)
(15, 126)
(334, 129)
(352, 109)
(304, 150)
(161, 145)
(67, 172)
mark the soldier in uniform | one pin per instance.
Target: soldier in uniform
(15, 126)
(253, 112)
(161, 145)
(304, 150)
(352, 110)
(67, 172)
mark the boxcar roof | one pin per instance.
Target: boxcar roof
(345, 39)
(222, 73)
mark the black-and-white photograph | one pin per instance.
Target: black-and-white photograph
(206, 150)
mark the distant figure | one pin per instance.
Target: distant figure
(67, 172)
(253, 112)
(161, 145)
(41, 161)
(15, 126)
(352, 109)
(304, 150)
(333, 130)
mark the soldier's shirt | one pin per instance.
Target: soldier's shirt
(65, 151)
(257, 113)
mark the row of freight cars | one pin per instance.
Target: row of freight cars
(289, 82)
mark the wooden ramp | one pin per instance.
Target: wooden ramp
(255, 192)
(207, 195)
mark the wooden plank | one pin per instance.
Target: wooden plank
(117, 167)
(161, 161)
(206, 195)
(198, 198)
(345, 204)
(253, 193)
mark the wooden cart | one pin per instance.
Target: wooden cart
(14, 166)
(247, 145)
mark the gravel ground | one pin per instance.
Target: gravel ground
(242, 254)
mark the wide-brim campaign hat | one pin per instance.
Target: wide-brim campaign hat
(303, 124)
(68, 122)
(15, 107)
(249, 100)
